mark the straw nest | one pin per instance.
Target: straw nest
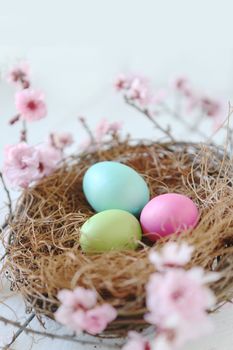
(45, 256)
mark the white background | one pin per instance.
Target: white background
(76, 48)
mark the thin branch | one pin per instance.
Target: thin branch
(10, 214)
(4, 225)
(14, 119)
(146, 112)
(87, 129)
(3, 257)
(20, 331)
(2, 228)
(23, 135)
(9, 201)
(70, 338)
(182, 120)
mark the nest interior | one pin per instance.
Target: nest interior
(45, 256)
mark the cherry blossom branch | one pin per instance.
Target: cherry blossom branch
(23, 328)
(147, 113)
(183, 121)
(23, 135)
(87, 129)
(14, 119)
(171, 274)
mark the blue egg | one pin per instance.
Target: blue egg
(113, 185)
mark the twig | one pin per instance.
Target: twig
(9, 201)
(23, 135)
(182, 120)
(10, 214)
(70, 338)
(87, 128)
(4, 225)
(14, 119)
(2, 228)
(25, 83)
(198, 121)
(146, 112)
(222, 125)
(20, 331)
(3, 257)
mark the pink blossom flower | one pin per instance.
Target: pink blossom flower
(79, 312)
(104, 127)
(122, 82)
(78, 298)
(24, 164)
(182, 84)
(192, 103)
(171, 255)
(178, 300)
(61, 140)
(136, 342)
(49, 157)
(19, 74)
(210, 107)
(30, 104)
(97, 319)
(139, 91)
(73, 306)
(162, 342)
(88, 146)
(21, 164)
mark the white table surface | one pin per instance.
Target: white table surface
(76, 48)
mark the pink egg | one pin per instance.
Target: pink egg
(168, 213)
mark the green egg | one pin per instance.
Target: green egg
(112, 229)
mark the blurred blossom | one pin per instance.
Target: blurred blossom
(163, 342)
(21, 164)
(122, 82)
(105, 127)
(88, 145)
(19, 75)
(61, 140)
(77, 298)
(135, 87)
(178, 300)
(97, 319)
(137, 342)
(210, 107)
(171, 255)
(159, 96)
(30, 104)
(79, 312)
(139, 91)
(49, 159)
(24, 164)
(182, 84)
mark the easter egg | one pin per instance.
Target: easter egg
(113, 185)
(112, 229)
(168, 213)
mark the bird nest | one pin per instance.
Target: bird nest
(44, 254)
